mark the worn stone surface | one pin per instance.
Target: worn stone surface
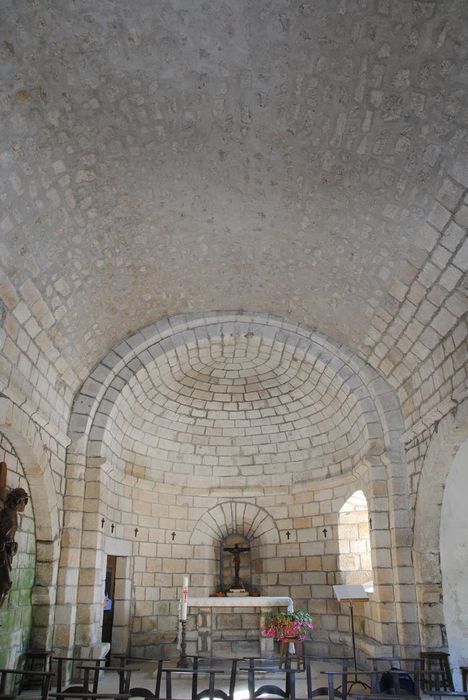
(261, 156)
(304, 165)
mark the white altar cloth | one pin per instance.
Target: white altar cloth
(253, 601)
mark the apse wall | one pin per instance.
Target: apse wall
(276, 444)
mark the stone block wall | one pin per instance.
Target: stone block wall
(406, 124)
(179, 533)
(418, 332)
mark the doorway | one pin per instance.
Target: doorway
(109, 599)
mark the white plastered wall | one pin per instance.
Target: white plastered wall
(454, 558)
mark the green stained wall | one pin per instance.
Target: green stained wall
(16, 613)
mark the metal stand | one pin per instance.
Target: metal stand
(183, 661)
(353, 637)
(349, 594)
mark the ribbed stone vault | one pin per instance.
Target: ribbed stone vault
(232, 402)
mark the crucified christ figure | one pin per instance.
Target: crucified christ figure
(236, 551)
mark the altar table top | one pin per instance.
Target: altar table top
(259, 601)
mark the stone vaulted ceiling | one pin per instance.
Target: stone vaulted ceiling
(274, 156)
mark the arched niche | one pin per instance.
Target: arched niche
(232, 522)
(454, 557)
(235, 563)
(29, 443)
(16, 614)
(354, 560)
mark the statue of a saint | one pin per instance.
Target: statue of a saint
(236, 551)
(15, 503)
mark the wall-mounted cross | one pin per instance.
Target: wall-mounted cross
(173, 536)
(325, 532)
(288, 534)
(112, 527)
(103, 520)
(136, 531)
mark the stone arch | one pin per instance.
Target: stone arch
(33, 453)
(447, 439)
(377, 436)
(16, 611)
(240, 517)
(22, 432)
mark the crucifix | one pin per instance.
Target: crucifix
(236, 551)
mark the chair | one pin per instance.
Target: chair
(365, 679)
(83, 682)
(44, 676)
(39, 660)
(89, 696)
(124, 673)
(212, 666)
(312, 692)
(198, 666)
(286, 658)
(259, 665)
(464, 676)
(435, 672)
(399, 670)
(139, 691)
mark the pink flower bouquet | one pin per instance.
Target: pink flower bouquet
(296, 625)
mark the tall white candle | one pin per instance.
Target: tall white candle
(184, 606)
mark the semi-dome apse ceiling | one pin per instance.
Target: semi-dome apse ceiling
(229, 400)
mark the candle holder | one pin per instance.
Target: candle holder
(183, 661)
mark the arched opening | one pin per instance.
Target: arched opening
(443, 455)
(454, 557)
(354, 560)
(156, 422)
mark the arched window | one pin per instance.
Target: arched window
(354, 561)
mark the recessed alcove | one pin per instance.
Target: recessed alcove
(232, 428)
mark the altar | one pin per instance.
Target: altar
(231, 625)
(258, 601)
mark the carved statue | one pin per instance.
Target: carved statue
(236, 551)
(15, 503)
